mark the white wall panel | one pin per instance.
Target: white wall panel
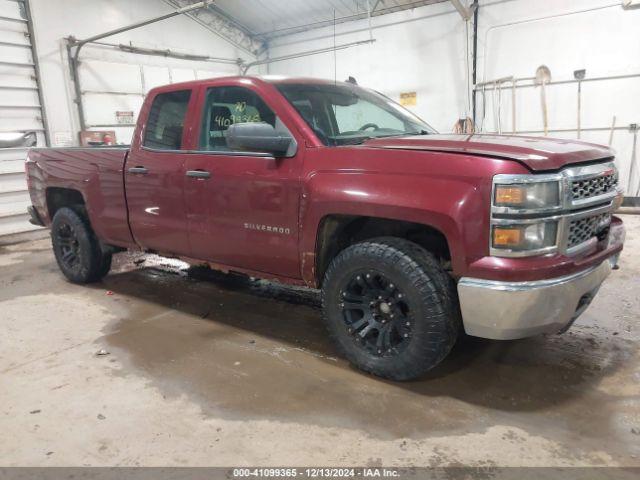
(12, 166)
(16, 224)
(202, 74)
(566, 36)
(110, 76)
(155, 76)
(14, 203)
(13, 182)
(420, 50)
(101, 69)
(182, 75)
(104, 68)
(19, 112)
(423, 50)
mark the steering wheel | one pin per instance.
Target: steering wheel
(368, 125)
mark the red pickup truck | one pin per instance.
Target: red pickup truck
(412, 236)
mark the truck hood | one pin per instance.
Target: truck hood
(537, 153)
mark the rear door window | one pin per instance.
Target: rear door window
(165, 123)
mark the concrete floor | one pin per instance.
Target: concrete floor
(229, 372)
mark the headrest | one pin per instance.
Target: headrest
(221, 117)
(172, 137)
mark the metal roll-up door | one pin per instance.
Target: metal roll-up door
(22, 119)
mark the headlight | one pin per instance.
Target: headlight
(527, 196)
(524, 214)
(532, 237)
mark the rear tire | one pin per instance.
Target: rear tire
(390, 308)
(77, 250)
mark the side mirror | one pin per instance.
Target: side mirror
(18, 140)
(260, 137)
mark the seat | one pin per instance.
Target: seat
(220, 119)
(171, 137)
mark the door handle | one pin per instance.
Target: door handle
(139, 170)
(203, 174)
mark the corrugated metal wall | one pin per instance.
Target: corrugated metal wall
(20, 113)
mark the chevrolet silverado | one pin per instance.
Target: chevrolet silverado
(413, 237)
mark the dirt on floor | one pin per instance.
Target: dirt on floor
(160, 365)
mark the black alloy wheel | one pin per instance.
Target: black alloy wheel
(79, 254)
(390, 307)
(68, 244)
(376, 313)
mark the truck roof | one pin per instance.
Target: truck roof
(240, 79)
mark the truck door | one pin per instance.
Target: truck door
(242, 207)
(154, 176)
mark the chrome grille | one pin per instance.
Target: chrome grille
(583, 214)
(586, 228)
(593, 187)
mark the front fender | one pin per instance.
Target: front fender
(455, 206)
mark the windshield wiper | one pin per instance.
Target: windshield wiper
(404, 134)
(353, 141)
(420, 132)
(360, 140)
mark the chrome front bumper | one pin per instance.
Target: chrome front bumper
(509, 310)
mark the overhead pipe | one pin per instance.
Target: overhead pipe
(334, 48)
(570, 130)
(247, 66)
(15, 44)
(18, 88)
(74, 46)
(14, 20)
(281, 32)
(465, 12)
(17, 64)
(155, 52)
(489, 84)
(113, 92)
(19, 107)
(130, 48)
(531, 20)
(144, 23)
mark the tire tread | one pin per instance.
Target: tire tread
(440, 304)
(97, 263)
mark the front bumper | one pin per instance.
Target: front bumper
(510, 310)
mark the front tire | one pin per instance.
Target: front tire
(76, 248)
(390, 308)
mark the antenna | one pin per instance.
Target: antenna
(335, 53)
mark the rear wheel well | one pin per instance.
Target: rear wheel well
(337, 232)
(63, 197)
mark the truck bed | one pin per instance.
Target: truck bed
(96, 172)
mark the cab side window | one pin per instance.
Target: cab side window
(165, 123)
(225, 106)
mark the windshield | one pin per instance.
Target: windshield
(349, 115)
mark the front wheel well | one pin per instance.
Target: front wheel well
(337, 232)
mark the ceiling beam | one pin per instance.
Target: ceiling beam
(223, 25)
(464, 11)
(378, 9)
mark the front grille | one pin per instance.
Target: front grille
(593, 187)
(586, 228)
(582, 216)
